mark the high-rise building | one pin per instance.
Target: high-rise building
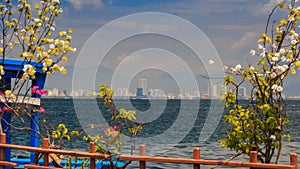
(143, 84)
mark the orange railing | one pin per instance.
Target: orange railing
(92, 155)
(142, 158)
(196, 161)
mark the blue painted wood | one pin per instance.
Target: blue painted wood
(14, 69)
(6, 119)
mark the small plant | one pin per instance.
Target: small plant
(121, 121)
(259, 124)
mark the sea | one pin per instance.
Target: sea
(173, 127)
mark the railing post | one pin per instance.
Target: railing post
(253, 157)
(294, 160)
(46, 155)
(142, 150)
(196, 156)
(2, 150)
(92, 160)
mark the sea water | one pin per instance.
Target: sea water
(160, 116)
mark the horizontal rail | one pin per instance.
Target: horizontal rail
(65, 152)
(38, 166)
(6, 163)
(204, 162)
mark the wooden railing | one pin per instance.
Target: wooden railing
(196, 161)
(142, 158)
(92, 155)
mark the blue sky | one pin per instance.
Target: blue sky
(233, 26)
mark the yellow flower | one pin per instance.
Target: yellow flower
(63, 70)
(62, 33)
(292, 31)
(39, 58)
(297, 63)
(64, 58)
(293, 71)
(281, 4)
(55, 67)
(268, 39)
(270, 55)
(44, 69)
(283, 22)
(260, 41)
(1, 50)
(70, 30)
(290, 55)
(48, 62)
(1, 67)
(7, 92)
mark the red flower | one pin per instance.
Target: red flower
(116, 127)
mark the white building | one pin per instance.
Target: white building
(143, 84)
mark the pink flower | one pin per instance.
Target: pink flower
(34, 89)
(116, 127)
(1, 93)
(43, 92)
(106, 132)
(42, 110)
(114, 135)
(6, 109)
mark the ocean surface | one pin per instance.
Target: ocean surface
(173, 129)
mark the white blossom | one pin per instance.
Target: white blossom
(273, 75)
(293, 42)
(252, 52)
(277, 88)
(211, 62)
(282, 51)
(275, 59)
(273, 137)
(238, 67)
(225, 67)
(74, 50)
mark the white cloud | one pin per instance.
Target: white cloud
(79, 4)
(245, 40)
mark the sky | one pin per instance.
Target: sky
(231, 27)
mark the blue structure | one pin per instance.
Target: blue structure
(139, 92)
(14, 69)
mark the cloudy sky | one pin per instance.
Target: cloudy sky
(232, 27)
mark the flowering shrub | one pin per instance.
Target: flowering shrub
(121, 121)
(259, 125)
(28, 33)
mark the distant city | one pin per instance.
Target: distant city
(214, 91)
(143, 91)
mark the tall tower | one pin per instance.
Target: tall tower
(143, 85)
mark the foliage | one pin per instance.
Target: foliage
(121, 121)
(28, 33)
(259, 124)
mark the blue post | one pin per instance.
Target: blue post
(34, 140)
(13, 69)
(6, 119)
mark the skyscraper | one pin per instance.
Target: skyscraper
(143, 84)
